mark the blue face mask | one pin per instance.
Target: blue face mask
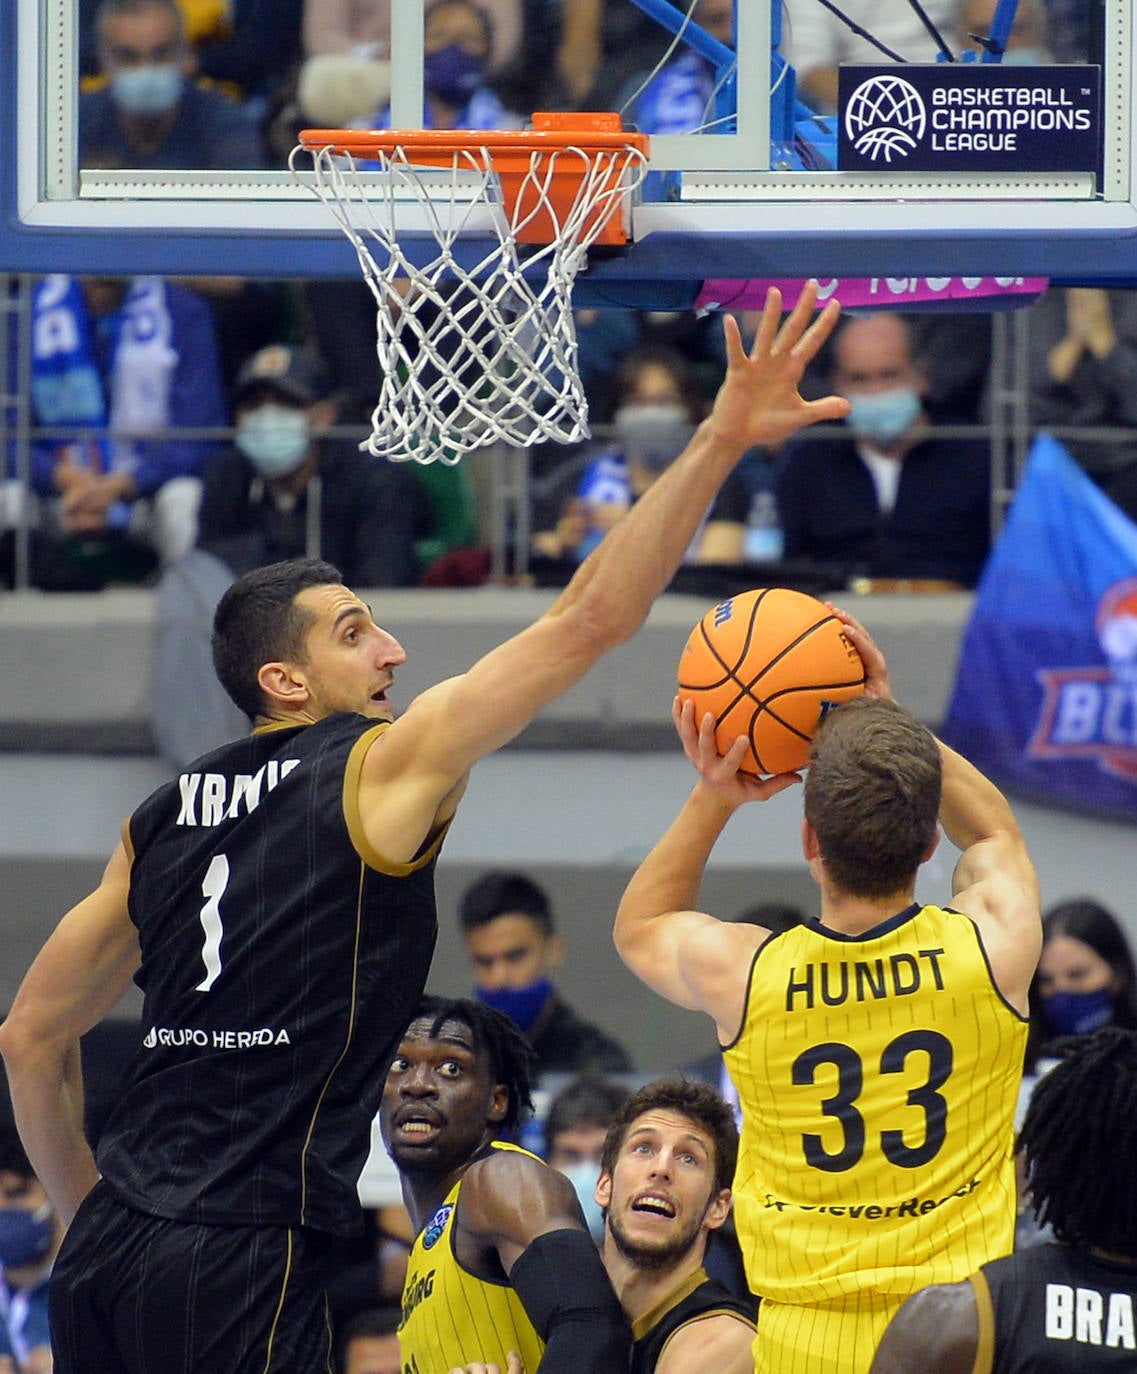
(521, 1005)
(583, 1178)
(25, 1237)
(881, 417)
(1077, 1013)
(153, 89)
(274, 439)
(452, 74)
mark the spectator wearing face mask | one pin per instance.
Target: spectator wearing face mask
(285, 491)
(31, 1231)
(514, 949)
(458, 39)
(151, 113)
(657, 411)
(1086, 976)
(576, 1126)
(886, 500)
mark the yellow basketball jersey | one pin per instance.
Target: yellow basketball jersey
(878, 1076)
(452, 1317)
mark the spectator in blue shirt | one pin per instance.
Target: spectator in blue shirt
(116, 363)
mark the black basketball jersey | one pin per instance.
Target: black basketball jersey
(1056, 1310)
(698, 1297)
(281, 961)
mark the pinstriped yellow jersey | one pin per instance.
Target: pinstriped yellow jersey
(450, 1316)
(878, 1076)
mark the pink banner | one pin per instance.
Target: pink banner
(855, 293)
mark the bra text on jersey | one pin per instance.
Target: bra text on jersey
(1090, 1318)
(210, 798)
(862, 980)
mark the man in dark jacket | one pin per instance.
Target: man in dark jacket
(513, 947)
(282, 491)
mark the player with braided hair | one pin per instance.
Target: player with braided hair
(502, 1265)
(1068, 1307)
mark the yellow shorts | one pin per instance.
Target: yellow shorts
(835, 1338)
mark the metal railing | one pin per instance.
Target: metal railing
(506, 514)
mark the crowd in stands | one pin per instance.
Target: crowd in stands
(120, 488)
(124, 371)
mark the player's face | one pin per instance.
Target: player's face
(440, 1105)
(1069, 965)
(350, 662)
(661, 1196)
(511, 951)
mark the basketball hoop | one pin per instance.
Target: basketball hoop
(474, 354)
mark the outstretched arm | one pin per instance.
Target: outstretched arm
(76, 979)
(936, 1331)
(452, 725)
(529, 1215)
(686, 956)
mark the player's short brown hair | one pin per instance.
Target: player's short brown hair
(872, 795)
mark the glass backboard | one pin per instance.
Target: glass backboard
(736, 203)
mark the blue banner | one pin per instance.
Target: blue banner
(1045, 697)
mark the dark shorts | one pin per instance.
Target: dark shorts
(136, 1294)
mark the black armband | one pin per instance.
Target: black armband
(562, 1284)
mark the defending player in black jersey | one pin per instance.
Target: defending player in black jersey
(502, 1261)
(275, 904)
(669, 1158)
(1068, 1307)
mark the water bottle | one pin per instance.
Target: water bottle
(764, 542)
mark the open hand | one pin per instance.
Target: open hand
(720, 773)
(759, 401)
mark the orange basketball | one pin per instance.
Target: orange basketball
(768, 664)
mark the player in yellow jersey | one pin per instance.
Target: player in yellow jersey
(877, 1053)
(502, 1261)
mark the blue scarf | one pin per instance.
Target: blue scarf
(67, 387)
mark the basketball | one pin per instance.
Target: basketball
(768, 664)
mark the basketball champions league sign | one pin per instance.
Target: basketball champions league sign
(969, 117)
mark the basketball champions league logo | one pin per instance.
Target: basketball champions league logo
(1091, 712)
(943, 117)
(885, 118)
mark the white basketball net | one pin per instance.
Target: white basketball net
(470, 356)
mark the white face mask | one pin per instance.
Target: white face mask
(153, 89)
(274, 438)
(654, 433)
(882, 417)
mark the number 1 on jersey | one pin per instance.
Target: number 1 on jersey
(213, 886)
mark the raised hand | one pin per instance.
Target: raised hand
(876, 669)
(759, 402)
(720, 773)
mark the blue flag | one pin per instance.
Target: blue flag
(1045, 697)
